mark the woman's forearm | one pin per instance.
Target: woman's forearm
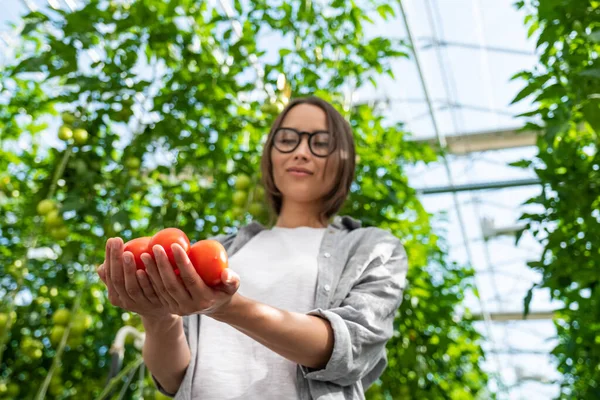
(166, 352)
(304, 339)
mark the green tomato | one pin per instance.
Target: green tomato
(68, 118)
(54, 219)
(56, 387)
(259, 193)
(256, 209)
(61, 316)
(45, 206)
(75, 340)
(81, 323)
(269, 108)
(65, 133)
(60, 233)
(3, 322)
(242, 182)
(56, 334)
(159, 396)
(80, 136)
(133, 163)
(12, 390)
(4, 183)
(32, 348)
(239, 198)
(237, 212)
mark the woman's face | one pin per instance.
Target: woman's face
(299, 175)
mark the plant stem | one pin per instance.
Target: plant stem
(114, 381)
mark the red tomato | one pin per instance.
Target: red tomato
(138, 247)
(166, 238)
(209, 259)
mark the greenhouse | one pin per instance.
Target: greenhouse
(155, 184)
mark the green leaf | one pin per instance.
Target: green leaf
(529, 114)
(284, 52)
(591, 112)
(521, 164)
(29, 27)
(525, 92)
(385, 10)
(238, 6)
(521, 75)
(534, 27)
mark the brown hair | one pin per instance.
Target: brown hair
(345, 151)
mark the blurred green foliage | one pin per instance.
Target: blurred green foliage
(167, 94)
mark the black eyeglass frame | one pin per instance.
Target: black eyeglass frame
(300, 134)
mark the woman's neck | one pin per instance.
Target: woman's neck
(294, 215)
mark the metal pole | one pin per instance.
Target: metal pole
(469, 187)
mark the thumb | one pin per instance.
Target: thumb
(101, 273)
(231, 281)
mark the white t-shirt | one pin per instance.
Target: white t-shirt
(278, 267)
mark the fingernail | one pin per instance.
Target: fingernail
(127, 258)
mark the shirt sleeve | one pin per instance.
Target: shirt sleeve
(364, 321)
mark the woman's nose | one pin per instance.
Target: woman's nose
(303, 149)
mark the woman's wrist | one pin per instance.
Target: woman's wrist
(226, 313)
(159, 323)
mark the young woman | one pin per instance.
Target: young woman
(305, 308)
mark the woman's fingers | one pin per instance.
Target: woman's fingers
(101, 271)
(171, 284)
(191, 280)
(147, 287)
(157, 283)
(132, 285)
(117, 275)
(113, 297)
(230, 282)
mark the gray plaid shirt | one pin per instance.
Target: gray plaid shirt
(360, 285)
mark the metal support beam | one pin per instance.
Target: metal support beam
(519, 352)
(485, 141)
(517, 316)
(478, 186)
(432, 42)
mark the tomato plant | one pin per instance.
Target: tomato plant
(106, 184)
(138, 247)
(168, 237)
(209, 259)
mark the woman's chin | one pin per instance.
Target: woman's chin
(300, 195)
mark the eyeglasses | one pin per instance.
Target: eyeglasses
(287, 140)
